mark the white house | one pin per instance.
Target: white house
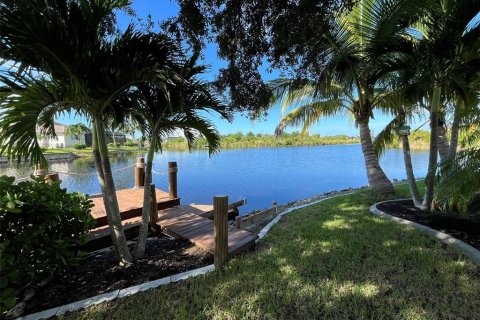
(62, 140)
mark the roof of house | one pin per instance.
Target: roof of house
(59, 128)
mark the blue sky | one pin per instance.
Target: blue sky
(161, 9)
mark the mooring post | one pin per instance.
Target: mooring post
(220, 221)
(51, 177)
(140, 173)
(153, 209)
(172, 180)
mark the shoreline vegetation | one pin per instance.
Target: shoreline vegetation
(419, 140)
(230, 141)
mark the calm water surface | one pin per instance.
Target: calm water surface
(262, 175)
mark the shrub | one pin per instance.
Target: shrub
(79, 146)
(131, 143)
(113, 146)
(41, 227)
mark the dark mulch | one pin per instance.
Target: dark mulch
(467, 230)
(99, 273)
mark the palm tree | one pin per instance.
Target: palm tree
(67, 61)
(436, 67)
(350, 81)
(76, 130)
(159, 115)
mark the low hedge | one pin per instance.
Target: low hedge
(41, 227)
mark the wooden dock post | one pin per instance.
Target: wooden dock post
(172, 180)
(220, 221)
(140, 173)
(153, 209)
(51, 177)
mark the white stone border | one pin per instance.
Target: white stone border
(109, 296)
(468, 250)
(275, 220)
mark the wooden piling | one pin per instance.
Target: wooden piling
(51, 177)
(220, 221)
(172, 180)
(153, 209)
(140, 173)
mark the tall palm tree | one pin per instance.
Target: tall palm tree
(350, 82)
(66, 61)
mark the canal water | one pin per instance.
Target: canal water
(262, 175)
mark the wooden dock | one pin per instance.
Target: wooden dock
(130, 202)
(189, 222)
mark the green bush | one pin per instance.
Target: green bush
(131, 143)
(113, 146)
(41, 227)
(79, 146)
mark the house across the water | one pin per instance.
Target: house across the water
(64, 140)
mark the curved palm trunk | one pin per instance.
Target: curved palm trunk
(125, 256)
(139, 251)
(452, 151)
(433, 156)
(101, 179)
(376, 177)
(412, 185)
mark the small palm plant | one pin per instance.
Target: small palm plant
(159, 115)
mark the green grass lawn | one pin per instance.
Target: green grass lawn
(332, 260)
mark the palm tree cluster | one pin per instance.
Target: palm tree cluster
(401, 58)
(68, 57)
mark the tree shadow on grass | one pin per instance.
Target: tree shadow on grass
(332, 260)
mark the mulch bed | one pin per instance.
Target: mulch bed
(467, 230)
(99, 273)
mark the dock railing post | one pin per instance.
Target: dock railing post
(220, 221)
(172, 180)
(238, 222)
(140, 173)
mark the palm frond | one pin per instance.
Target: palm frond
(309, 114)
(459, 181)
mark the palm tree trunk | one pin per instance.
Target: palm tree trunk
(417, 200)
(452, 151)
(376, 177)
(125, 256)
(139, 251)
(101, 180)
(442, 142)
(433, 156)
